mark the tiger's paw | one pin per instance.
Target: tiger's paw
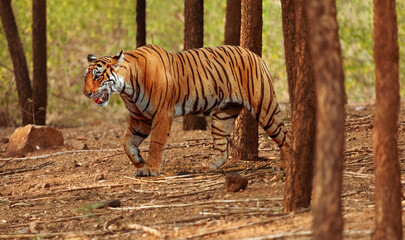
(145, 172)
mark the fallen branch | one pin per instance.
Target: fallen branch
(61, 153)
(360, 119)
(192, 193)
(358, 175)
(49, 221)
(350, 194)
(48, 235)
(92, 187)
(146, 229)
(210, 216)
(20, 170)
(224, 230)
(144, 207)
(294, 233)
(308, 233)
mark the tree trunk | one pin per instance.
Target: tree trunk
(329, 142)
(19, 63)
(140, 23)
(194, 38)
(232, 23)
(39, 86)
(245, 135)
(298, 187)
(385, 136)
(288, 22)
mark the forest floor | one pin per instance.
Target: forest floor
(61, 193)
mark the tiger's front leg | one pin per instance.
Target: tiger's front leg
(137, 131)
(160, 130)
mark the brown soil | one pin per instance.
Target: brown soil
(62, 194)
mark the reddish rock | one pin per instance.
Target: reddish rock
(32, 137)
(78, 145)
(235, 182)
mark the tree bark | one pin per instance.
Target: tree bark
(232, 23)
(288, 22)
(245, 136)
(329, 142)
(385, 136)
(298, 187)
(19, 62)
(194, 38)
(140, 23)
(39, 85)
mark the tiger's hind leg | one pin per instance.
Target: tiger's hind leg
(222, 125)
(273, 124)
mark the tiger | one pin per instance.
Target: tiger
(157, 86)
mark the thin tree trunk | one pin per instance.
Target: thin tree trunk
(245, 135)
(39, 58)
(385, 135)
(19, 63)
(232, 23)
(140, 23)
(288, 22)
(298, 187)
(194, 38)
(329, 143)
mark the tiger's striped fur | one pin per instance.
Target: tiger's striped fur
(157, 86)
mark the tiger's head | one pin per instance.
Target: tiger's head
(102, 79)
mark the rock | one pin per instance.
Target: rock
(99, 176)
(32, 137)
(78, 145)
(112, 203)
(235, 182)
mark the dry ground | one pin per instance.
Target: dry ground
(59, 193)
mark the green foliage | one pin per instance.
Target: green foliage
(76, 28)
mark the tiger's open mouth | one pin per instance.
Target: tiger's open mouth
(102, 98)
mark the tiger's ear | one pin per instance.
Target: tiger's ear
(91, 58)
(119, 58)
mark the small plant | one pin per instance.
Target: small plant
(33, 114)
(87, 209)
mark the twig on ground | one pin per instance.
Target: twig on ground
(61, 153)
(92, 187)
(350, 194)
(54, 234)
(308, 233)
(359, 160)
(192, 193)
(198, 154)
(49, 221)
(360, 119)
(358, 175)
(224, 230)
(20, 170)
(143, 207)
(295, 233)
(146, 229)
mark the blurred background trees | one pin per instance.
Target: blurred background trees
(75, 29)
(32, 96)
